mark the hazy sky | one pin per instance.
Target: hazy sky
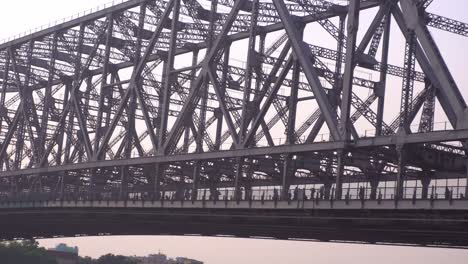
(20, 15)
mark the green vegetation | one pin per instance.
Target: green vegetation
(24, 252)
(108, 259)
(112, 259)
(29, 252)
(86, 260)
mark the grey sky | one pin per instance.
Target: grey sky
(21, 15)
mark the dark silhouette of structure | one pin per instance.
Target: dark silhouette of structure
(144, 112)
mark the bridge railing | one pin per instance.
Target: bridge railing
(450, 192)
(62, 20)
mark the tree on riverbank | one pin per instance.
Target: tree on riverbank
(24, 252)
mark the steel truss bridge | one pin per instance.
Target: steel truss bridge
(227, 117)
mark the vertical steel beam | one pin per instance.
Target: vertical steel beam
(123, 191)
(168, 77)
(352, 29)
(104, 82)
(246, 105)
(158, 177)
(425, 182)
(339, 173)
(401, 172)
(133, 100)
(408, 83)
(381, 87)
(60, 136)
(5, 78)
(48, 95)
(195, 179)
(466, 172)
(130, 128)
(185, 147)
(6, 72)
(224, 85)
(72, 95)
(374, 180)
(292, 101)
(258, 64)
(286, 177)
(339, 60)
(193, 74)
(203, 104)
(238, 178)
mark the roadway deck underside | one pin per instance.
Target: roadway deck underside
(439, 227)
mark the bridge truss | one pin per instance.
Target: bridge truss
(155, 96)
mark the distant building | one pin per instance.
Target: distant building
(63, 257)
(65, 248)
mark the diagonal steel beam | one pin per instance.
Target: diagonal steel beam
(432, 63)
(305, 56)
(133, 83)
(383, 10)
(28, 107)
(194, 97)
(78, 79)
(222, 105)
(11, 130)
(268, 102)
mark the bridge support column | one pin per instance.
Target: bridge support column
(286, 178)
(238, 178)
(425, 182)
(400, 173)
(92, 183)
(466, 185)
(185, 146)
(339, 175)
(62, 186)
(124, 171)
(196, 177)
(374, 184)
(327, 188)
(158, 175)
(213, 179)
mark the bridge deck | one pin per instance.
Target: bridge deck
(439, 223)
(461, 205)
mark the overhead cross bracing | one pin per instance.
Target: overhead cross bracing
(152, 96)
